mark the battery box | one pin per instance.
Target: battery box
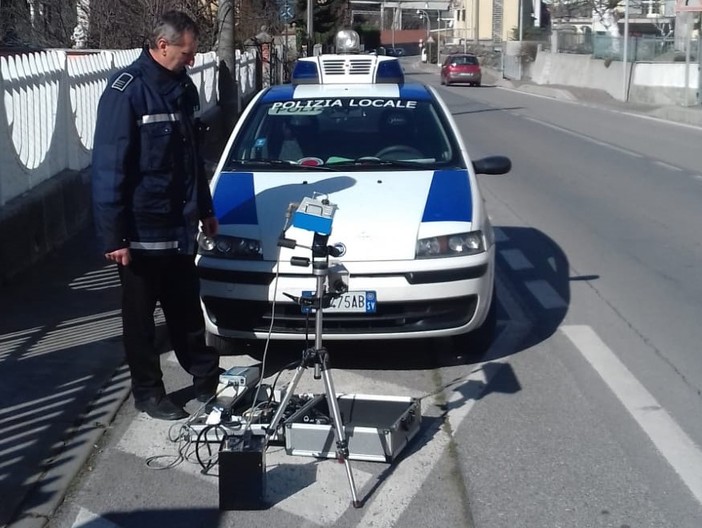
(377, 427)
(242, 471)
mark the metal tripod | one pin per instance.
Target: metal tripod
(318, 357)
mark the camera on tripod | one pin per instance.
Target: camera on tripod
(316, 214)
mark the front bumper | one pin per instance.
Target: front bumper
(420, 303)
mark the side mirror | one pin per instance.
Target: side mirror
(492, 165)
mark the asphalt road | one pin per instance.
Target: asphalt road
(583, 413)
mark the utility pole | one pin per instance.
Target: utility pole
(310, 26)
(476, 12)
(521, 20)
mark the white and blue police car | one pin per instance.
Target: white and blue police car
(409, 224)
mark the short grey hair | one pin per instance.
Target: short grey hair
(171, 26)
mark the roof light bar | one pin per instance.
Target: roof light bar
(348, 66)
(389, 71)
(305, 72)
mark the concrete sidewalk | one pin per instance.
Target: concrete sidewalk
(62, 378)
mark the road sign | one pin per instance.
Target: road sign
(287, 12)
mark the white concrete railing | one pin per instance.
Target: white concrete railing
(49, 103)
(658, 83)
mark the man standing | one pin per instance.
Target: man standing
(150, 195)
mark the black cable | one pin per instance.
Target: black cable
(202, 439)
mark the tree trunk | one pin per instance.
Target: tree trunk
(228, 89)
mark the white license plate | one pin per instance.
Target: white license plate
(349, 302)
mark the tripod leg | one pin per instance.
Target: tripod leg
(342, 447)
(286, 399)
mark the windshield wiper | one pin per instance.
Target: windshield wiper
(377, 162)
(266, 162)
(260, 161)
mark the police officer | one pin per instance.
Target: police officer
(150, 195)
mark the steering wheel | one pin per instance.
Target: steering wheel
(399, 152)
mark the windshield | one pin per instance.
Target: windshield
(463, 60)
(343, 132)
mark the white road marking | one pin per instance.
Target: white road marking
(89, 519)
(617, 149)
(586, 138)
(408, 477)
(668, 166)
(677, 448)
(545, 294)
(552, 263)
(303, 486)
(500, 235)
(601, 107)
(516, 260)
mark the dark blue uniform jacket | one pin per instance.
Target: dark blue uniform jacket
(149, 185)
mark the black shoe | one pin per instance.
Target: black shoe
(206, 397)
(210, 401)
(161, 408)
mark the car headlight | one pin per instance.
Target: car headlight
(460, 244)
(224, 246)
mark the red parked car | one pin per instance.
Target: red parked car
(461, 68)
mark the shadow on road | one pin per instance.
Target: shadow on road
(59, 347)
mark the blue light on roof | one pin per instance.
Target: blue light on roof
(389, 71)
(416, 91)
(305, 72)
(280, 92)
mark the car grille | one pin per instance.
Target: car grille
(355, 66)
(400, 317)
(413, 277)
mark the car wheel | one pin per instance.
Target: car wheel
(474, 344)
(442, 80)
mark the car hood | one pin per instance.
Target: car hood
(378, 215)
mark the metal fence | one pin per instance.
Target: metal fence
(569, 42)
(644, 48)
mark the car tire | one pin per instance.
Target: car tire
(476, 343)
(442, 80)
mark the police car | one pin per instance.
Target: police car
(408, 230)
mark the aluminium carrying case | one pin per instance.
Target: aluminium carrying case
(377, 427)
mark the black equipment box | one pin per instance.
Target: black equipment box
(377, 427)
(242, 471)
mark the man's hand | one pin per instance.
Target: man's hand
(120, 256)
(210, 226)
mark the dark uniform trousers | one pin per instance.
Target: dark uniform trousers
(173, 281)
